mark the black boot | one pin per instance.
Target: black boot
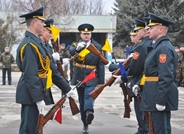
(89, 116)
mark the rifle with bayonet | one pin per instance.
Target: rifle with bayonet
(73, 105)
(42, 120)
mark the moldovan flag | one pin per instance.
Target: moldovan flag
(91, 76)
(122, 70)
(58, 116)
(55, 32)
(107, 46)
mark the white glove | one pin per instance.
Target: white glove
(70, 93)
(80, 46)
(56, 56)
(107, 66)
(88, 44)
(135, 89)
(40, 106)
(118, 79)
(131, 55)
(129, 84)
(160, 107)
(65, 61)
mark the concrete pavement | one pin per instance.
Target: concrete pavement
(109, 110)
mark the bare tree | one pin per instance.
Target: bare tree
(55, 9)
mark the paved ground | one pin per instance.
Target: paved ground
(109, 111)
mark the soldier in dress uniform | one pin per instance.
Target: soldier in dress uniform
(84, 63)
(160, 93)
(47, 35)
(136, 68)
(34, 63)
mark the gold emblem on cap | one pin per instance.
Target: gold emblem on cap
(85, 29)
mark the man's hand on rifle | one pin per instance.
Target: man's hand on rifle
(70, 93)
(80, 46)
(40, 106)
(118, 79)
(56, 56)
(135, 89)
(131, 55)
(65, 61)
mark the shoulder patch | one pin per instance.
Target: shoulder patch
(162, 58)
(136, 55)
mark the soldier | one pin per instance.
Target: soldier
(7, 59)
(34, 63)
(84, 64)
(136, 68)
(160, 93)
(178, 75)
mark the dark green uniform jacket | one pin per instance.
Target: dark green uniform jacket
(31, 88)
(90, 59)
(161, 61)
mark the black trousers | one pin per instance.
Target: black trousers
(8, 70)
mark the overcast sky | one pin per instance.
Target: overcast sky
(108, 5)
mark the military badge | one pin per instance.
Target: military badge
(136, 55)
(162, 58)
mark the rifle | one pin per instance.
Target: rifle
(42, 120)
(126, 94)
(95, 51)
(147, 116)
(55, 46)
(126, 101)
(94, 94)
(73, 106)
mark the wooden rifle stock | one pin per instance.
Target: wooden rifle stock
(94, 94)
(42, 120)
(126, 101)
(95, 51)
(147, 116)
(73, 106)
(150, 123)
